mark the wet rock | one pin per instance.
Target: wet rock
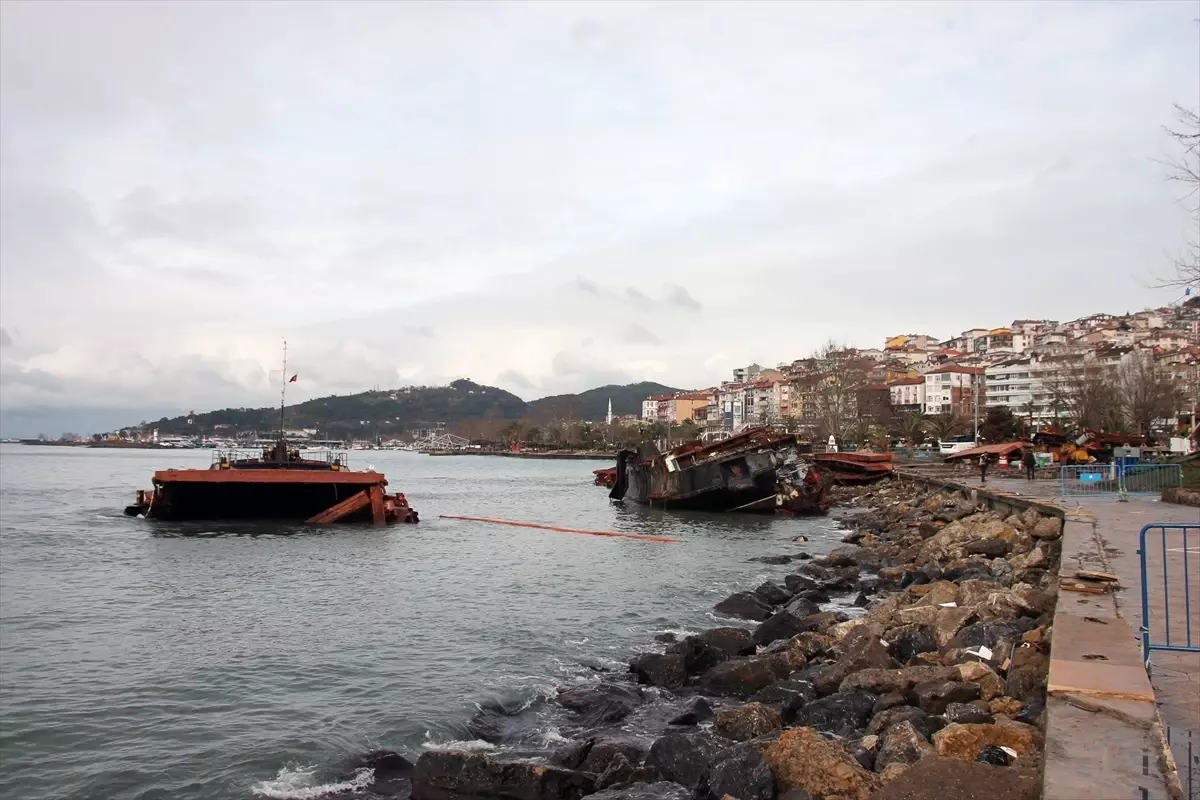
(666, 637)
(825, 622)
(966, 714)
(572, 754)
(665, 670)
(837, 713)
(386, 763)
(744, 605)
(1027, 674)
(743, 677)
(861, 600)
(813, 644)
(988, 548)
(801, 606)
(605, 749)
(741, 772)
(902, 744)
(883, 720)
(991, 634)
(799, 583)
(773, 593)
(861, 649)
(598, 703)
(977, 672)
(964, 742)
(789, 696)
(802, 759)
(663, 790)
(783, 625)
(748, 721)
(731, 642)
(934, 696)
(684, 758)
(496, 722)
(908, 641)
(776, 560)
(455, 775)
(1047, 528)
(937, 777)
(852, 556)
(883, 681)
(694, 711)
(619, 770)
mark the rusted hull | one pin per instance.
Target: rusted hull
(856, 469)
(605, 477)
(754, 473)
(283, 495)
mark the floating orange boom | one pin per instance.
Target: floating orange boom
(643, 537)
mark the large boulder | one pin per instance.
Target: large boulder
(977, 672)
(744, 605)
(949, 621)
(884, 681)
(882, 721)
(967, 714)
(684, 758)
(605, 749)
(741, 772)
(935, 777)
(704, 651)
(788, 696)
(598, 703)
(991, 634)
(783, 625)
(731, 642)
(456, 775)
(748, 721)
(861, 649)
(841, 713)
(803, 607)
(802, 759)
(693, 712)
(908, 641)
(1049, 528)
(813, 644)
(901, 744)
(964, 742)
(773, 593)
(988, 548)
(743, 677)
(951, 542)
(934, 696)
(659, 669)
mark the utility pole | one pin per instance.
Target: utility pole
(975, 404)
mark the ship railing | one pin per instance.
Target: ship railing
(331, 457)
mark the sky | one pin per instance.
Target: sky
(554, 196)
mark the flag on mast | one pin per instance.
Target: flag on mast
(293, 378)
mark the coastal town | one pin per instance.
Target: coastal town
(1134, 373)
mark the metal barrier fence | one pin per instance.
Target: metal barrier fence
(1084, 480)
(1174, 552)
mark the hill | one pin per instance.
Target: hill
(389, 413)
(593, 404)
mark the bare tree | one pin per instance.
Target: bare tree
(1089, 394)
(1184, 168)
(1148, 393)
(839, 375)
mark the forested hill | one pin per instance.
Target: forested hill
(384, 413)
(593, 404)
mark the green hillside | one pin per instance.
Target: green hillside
(389, 413)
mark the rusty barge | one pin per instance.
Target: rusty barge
(277, 484)
(753, 472)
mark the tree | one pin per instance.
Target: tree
(912, 427)
(945, 426)
(1029, 408)
(1089, 394)
(1147, 392)
(838, 374)
(999, 425)
(689, 430)
(533, 435)
(1184, 168)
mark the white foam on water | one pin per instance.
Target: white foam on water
(297, 783)
(584, 640)
(551, 737)
(467, 745)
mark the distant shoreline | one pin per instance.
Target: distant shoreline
(577, 456)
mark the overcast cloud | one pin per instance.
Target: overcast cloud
(551, 196)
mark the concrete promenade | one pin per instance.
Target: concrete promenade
(1111, 734)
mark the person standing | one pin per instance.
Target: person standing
(1030, 463)
(984, 463)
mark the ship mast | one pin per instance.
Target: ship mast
(282, 397)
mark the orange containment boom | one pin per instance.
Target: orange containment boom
(641, 536)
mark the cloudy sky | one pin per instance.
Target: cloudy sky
(552, 196)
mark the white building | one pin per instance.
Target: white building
(948, 389)
(650, 409)
(907, 394)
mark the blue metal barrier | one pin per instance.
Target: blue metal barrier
(1093, 480)
(1181, 559)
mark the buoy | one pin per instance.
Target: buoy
(641, 536)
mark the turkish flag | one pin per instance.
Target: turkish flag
(293, 378)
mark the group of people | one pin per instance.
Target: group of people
(1028, 460)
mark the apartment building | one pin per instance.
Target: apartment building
(948, 389)
(907, 394)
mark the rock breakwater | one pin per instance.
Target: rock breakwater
(928, 681)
